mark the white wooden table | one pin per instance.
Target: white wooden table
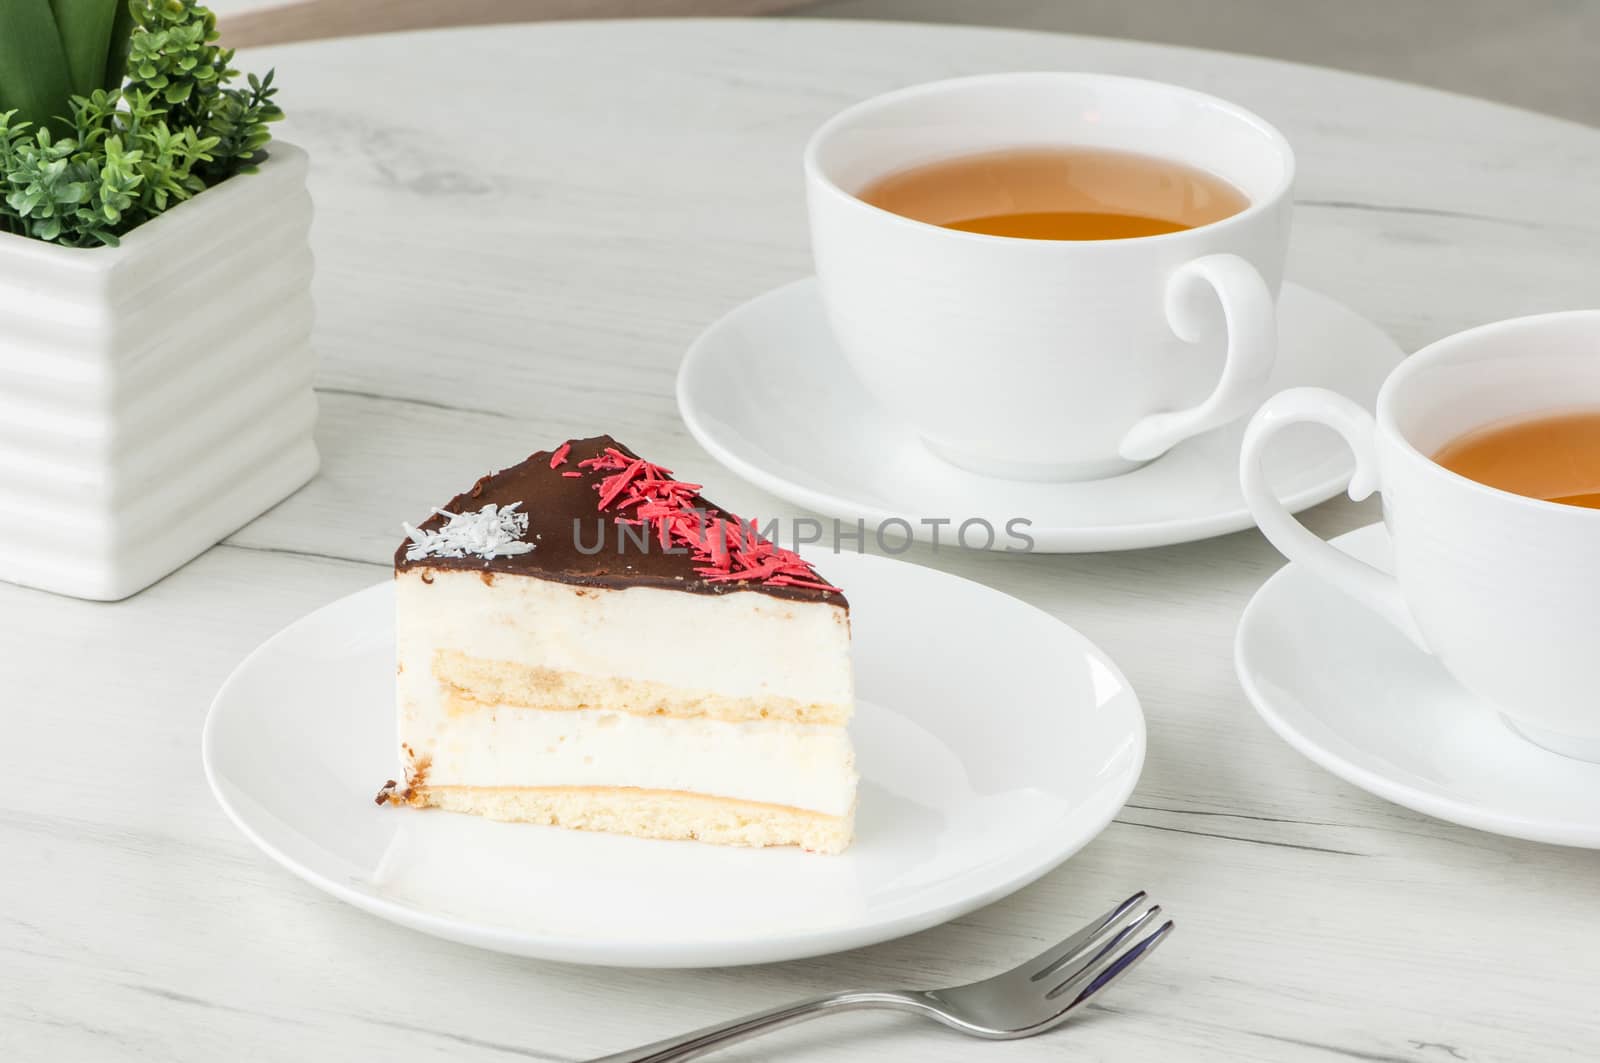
(519, 231)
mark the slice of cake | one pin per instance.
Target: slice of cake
(585, 641)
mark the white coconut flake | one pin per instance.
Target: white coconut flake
(489, 533)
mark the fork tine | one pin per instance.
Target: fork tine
(1056, 956)
(1099, 976)
(1111, 945)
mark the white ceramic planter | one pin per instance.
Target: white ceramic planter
(156, 396)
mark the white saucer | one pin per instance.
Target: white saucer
(767, 392)
(1361, 700)
(994, 742)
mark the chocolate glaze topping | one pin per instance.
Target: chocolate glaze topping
(564, 512)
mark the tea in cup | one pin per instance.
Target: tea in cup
(1052, 276)
(1486, 447)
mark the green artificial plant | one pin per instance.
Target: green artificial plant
(52, 50)
(112, 112)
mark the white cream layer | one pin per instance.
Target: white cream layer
(743, 644)
(799, 765)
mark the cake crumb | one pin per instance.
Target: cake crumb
(391, 793)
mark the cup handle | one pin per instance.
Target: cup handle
(1367, 584)
(1252, 323)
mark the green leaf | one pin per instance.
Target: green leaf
(121, 42)
(85, 28)
(35, 79)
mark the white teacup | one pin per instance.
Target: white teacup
(1503, 590)
(1051, 359)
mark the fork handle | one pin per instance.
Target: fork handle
(709, 1038)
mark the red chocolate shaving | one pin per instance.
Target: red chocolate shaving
(559, 458)
(725, 547)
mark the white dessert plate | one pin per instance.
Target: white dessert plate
(1358, 698)
(994, 741)
(767, 392)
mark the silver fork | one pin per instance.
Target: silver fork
(1028, 999)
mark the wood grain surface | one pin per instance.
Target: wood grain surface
(314, 20)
